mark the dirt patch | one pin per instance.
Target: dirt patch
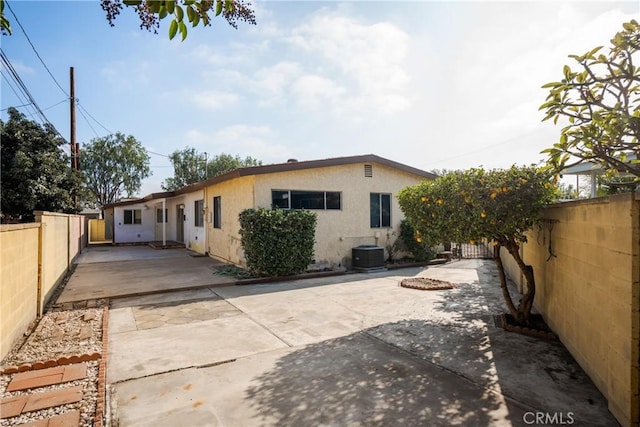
(426, 284)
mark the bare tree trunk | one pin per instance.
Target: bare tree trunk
(526, 303)
(503, 284)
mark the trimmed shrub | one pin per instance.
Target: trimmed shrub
(277, 242)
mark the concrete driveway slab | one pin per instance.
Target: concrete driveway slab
(181, 296)
(103, 253)
(141, 352)
(349, 381)
(143, 275)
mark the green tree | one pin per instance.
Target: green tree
(188, 167)
(113, 166)
(181, 13)
(501, 205)
(223, 163)
(35, 171)
(151, 12)
(600, 100)
(5, 26)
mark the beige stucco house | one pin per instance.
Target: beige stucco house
(354, 198)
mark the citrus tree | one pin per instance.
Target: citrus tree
(500, 205)
(598, 102)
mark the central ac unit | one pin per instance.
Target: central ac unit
(367, 257)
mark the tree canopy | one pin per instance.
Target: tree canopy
(189, 167)
(5, 26)
(35, 170)
(181, 13)
(599, 97)
(465, 206)
(223, 163)
(113, 166)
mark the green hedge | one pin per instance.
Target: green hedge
(277, 242)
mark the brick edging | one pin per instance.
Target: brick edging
(526, 331)
(64, 360)
(102, 369)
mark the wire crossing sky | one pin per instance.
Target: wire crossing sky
(435, 85)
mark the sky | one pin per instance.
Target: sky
(434, 85)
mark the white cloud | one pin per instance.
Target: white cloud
(128, 74)
(244, 140)
(313, 91)
(213, 55)
(240, 132)
(371, 56)
(213, 100)
(21, 68)
(204, 100)
(272, 82)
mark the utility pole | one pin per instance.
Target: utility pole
(75, 150)
(72, 110)
(206, 172)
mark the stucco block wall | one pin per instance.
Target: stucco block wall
(589, 290)
(56, 251)
(19, 281)
(34, 258)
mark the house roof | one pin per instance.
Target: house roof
(279, 167)
(587, 168)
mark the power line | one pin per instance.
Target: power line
(94, 119)
(18, 81)
(34, 48)
(158, 154)
(44, 109)
(15, 106)
(88, 123)
(27, 105)
(23, 88)
(55, 105)
(479, 150)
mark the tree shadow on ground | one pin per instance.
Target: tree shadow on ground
(453, 368)
(536, 372)
(361, 380)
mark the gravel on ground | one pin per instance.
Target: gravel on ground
(58, 335)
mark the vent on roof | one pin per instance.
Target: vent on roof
(292, 160)
(368, 171)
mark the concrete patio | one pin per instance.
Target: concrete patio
(347, 350)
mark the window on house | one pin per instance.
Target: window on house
(290, 199)
(368, 171)
(132, 216)
(199, 213)
(217, 212)
(380, 209)
(159, 216)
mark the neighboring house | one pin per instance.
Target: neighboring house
(354, 197)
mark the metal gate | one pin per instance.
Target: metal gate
(482, 249)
